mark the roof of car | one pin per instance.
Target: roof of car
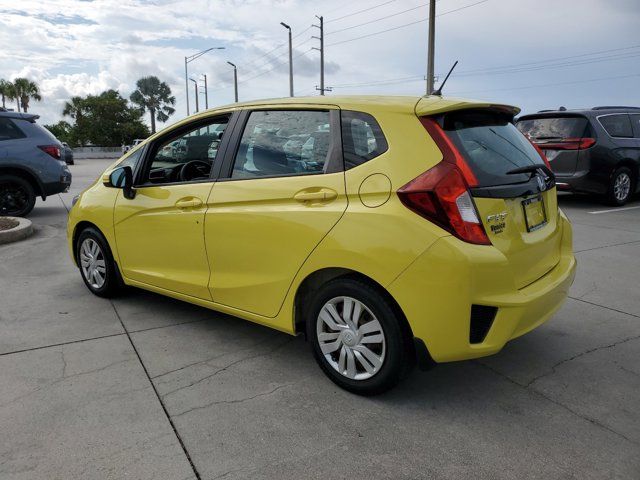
(594, 111)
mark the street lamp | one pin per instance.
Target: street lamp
(290, 60)
(235, 79)
(188, 60)
(195, 87)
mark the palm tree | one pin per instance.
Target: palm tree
(25, 90)
(74, 108)
(6, 91)
(154, 96)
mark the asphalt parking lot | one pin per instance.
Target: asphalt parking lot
(146, 387)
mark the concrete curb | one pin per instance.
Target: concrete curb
(22, 231)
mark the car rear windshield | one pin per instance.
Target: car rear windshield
(548, 128)
(491, 146)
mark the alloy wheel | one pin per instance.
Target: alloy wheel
(351, 338)
(622, 186)
(13, 198)
(93, 264)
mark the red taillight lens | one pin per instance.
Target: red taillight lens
(441, 195)
(449, 151)
(52, 150)
(570, 144)
(541, 153)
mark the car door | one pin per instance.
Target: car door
(160, 232)
(281, 191)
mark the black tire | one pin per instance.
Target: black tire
(621, 176)
(17, 197)
(112, 284)
(398, 357)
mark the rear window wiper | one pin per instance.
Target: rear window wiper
(532, 169)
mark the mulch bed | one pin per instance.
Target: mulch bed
(8, 223)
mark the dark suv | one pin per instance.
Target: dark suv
(31, 164)
(591, 151)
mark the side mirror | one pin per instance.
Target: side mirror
(122, 178)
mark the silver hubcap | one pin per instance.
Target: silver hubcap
(622, 186)
(92, 263)
(351, 338)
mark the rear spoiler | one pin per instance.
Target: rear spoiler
(29, 117)
(432, 105)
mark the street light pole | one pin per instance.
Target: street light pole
(290, 59)
(195, 88)
(431, 47)
(188, 60)
(235, 80)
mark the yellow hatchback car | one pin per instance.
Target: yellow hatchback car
(389, 230)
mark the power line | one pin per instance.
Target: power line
(406, 24)
(368, 9)
(379, 19)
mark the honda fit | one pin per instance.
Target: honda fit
(391, 231)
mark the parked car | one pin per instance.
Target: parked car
(31, 164)
(593, 151)
(438, 240)
(68, 154)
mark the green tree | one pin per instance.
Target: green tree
(154, 96)
(6, 92)
(62, 131)
(24, 91)
(74, 108)
(106, 120)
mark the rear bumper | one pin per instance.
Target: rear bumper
(437, 291)
(582, 182)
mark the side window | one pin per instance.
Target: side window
(283, 142)
(362, 138)
(635, 121)
(131, 160)
(617, 125)
(9, 130)
(186, 156)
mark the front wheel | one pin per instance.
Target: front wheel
(97, 267)
(620, 187)
(356, 337)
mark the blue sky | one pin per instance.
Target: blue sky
(532, 53)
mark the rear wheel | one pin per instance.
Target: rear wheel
(620, 187)
(356, 337)
(17, 197)
(97, 267)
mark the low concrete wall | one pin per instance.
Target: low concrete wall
(97, 152)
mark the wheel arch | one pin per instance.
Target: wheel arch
(79, 228)
(28, 175)
(632, 165)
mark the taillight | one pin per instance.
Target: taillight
(570, 144)
(52, 150)
(442, 196)
(541, 153)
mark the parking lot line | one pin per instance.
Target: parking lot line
(596, 212)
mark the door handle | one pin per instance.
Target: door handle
(322, 195)
(191, 203)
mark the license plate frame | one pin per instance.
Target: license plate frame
(530, 207)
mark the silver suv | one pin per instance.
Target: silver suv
(31, 164)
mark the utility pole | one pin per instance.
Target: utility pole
(290, 60)
(235, 80)
(195, 88)
(206, 93)
(431, 47)
(188, 60)
(321, 49)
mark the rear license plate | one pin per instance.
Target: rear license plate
(534, 214)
